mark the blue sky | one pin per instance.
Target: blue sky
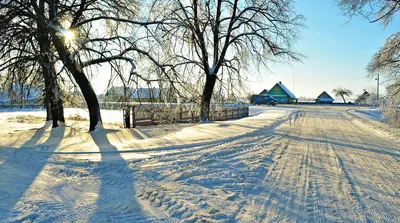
(337, 50)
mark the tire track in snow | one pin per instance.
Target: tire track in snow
(252, 145)
(371, 163)
(328, 160)
(281, 198)
(369, 199)
(316, 187)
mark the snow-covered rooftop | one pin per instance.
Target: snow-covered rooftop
(286, 90)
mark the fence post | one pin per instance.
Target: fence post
(151, 117)
(226, 113)
(180, 115)
(123, 117)
(134, 117)
(127, 117)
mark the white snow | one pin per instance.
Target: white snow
(374, 114)
(279, 165)
(372, 118)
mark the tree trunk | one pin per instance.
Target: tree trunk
(52, 97)
(343, 99)
(74, 68)
(49, 92)
(48, 108)
(60, 110)
(206, 97)
(81, 80)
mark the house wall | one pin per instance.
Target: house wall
(277, 91)
(280, 95)
(323, 101)
(282, 99)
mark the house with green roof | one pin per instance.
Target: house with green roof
(282, 94)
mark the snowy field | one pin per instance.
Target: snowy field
(282, 164)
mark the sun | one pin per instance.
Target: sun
(69, 36)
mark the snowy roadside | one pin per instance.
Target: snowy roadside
(24, 119)
(121, 175)
(373, 114)
(371, 118)
(77, 143)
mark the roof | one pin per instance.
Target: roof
(365, 93)
(25, 92)
(362, 97)
(132, 92)
(146, 93)
(3, 96)
(324, 96)
(284, 88)
(265, 91)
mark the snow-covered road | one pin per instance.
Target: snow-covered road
(308, 164)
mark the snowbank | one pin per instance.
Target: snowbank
(372, 119)
(77, 143)
(374, 114)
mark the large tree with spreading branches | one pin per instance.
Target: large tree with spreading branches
(218, 39)
(82, 35)
(26, 57)
(386, 60)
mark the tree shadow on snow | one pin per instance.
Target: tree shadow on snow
(137, 134)
(268, 130)
(32, 141)
(349, 145)
(116, 194)
(22, 166)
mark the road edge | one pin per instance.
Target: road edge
(380, 128)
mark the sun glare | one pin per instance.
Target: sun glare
(69, 36)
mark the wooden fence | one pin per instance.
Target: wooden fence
(139, 116)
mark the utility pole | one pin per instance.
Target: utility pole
(377, 90)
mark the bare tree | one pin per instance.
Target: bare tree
(119, 40)
(83, 34)
(25, 48)
(341, 92)
(391, 106)
(218, 39)
(386, 60)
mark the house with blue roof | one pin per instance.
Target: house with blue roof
(324, 98)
